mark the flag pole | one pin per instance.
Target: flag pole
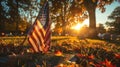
(29, 31)
(26, 36)
(39, 35)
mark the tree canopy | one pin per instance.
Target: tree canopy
(67, 11)
(63, 12)
(16, 13)
(114, 21)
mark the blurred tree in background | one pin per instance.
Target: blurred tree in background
(101, 28)
(15, 14)
(70, 10)
(114, 24)
(64, 12)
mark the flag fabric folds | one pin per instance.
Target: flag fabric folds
(39, 36)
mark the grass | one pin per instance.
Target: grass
(75, 52)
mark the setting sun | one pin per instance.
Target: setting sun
(80, 25)
(77, 27)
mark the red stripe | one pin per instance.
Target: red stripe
(39, 37)
(47, 41)
(34, 41)
(39, 42)
(40, 29)
(48, 34)
(32, 46)
(33, 36)
(47, 46)
(38, 34)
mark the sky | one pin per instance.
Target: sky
(103, 17)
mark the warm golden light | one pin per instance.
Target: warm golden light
(80, 25)
(77, 27)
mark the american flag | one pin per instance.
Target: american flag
(39, 36)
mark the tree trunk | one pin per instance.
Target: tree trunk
(92, 18)
(91, 7)
(92, 23)
(63, 19)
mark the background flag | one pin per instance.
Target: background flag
(39, 36)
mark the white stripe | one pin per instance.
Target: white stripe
(35, 37)
(33, 44)
(41, 27)
(39, 33)
(41, 45)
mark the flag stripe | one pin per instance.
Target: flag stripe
(41, 30)
(33, 44)
(39, 36)
(35, 35)
(47, 37)
(34, 40)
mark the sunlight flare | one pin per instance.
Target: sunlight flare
(80, 25)
(77, 27)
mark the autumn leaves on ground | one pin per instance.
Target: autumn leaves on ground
(73, 52)
(88, 52)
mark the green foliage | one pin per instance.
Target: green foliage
(15, 12)
(114, 24)
(101, 29)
